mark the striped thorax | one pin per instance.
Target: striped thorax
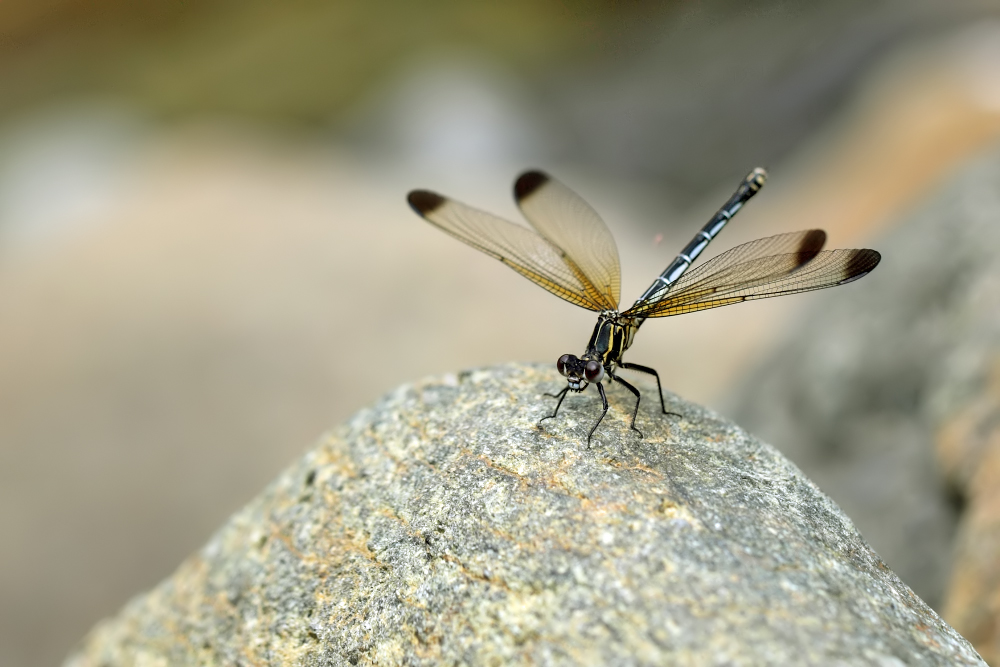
(612, 336)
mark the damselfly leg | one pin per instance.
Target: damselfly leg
(659, 387)
(638, 397)
(561, 395)
(604, 401)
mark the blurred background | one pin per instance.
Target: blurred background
(206, 258)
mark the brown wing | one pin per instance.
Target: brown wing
(527, 252)
(806, 244)
(760, 278)
(570, 224)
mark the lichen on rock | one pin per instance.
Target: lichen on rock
(442, 526)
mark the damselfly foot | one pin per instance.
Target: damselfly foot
(561, 395)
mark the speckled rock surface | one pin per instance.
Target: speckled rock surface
(442, 527)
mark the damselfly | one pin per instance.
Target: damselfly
(572, 254)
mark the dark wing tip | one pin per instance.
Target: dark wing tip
(865, 259)
(810, 245)
(861, 263)
(424, 201)
(529, 182)
(813, 241)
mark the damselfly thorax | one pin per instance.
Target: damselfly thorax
(572, 254)
(612, 335)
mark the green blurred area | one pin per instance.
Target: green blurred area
(301, 62)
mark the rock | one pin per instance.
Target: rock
(887, 378)
(964, 405)
(442, 527)
(968, 446)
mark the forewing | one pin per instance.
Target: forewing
(518, 247)
(764, 277)
(570, 224)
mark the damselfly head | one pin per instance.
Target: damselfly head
(572, 368)
(579, 372)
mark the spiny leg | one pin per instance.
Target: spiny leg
(659, 387)
(561, 395)
(604, 399)
(638, 398)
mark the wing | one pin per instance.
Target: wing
(761, 278)
(525, 251)
(570, 224)
(806, 244)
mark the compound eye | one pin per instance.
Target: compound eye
(563, 363)
(593, 371)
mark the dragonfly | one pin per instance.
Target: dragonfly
(571, 253)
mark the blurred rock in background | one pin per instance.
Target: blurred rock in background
(206, 258)
(969, 450)
(964, 403)
(857, 391)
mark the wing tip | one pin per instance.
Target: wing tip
(424, 201)
(867, 258)
(812, 241)
(528, 183)
(861, 263)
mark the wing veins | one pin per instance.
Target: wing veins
(764, 277)
(524, 250)
(569, 223)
